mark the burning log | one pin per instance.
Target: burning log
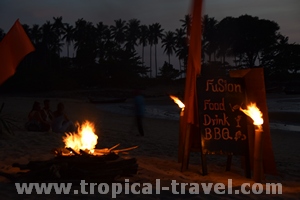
(96, 152)
(84, 152)
(72, 151)
(79, 160)
(114, 147)
(78, 167)
(124, 150)
(103, 164)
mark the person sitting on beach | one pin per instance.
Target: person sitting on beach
(46, 113)
(35, 119)
(60, 122)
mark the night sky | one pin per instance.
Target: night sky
(166, 12)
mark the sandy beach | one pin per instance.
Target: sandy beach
(157, 151)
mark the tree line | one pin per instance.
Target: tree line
(110, 51)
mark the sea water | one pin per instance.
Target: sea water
(172, 111)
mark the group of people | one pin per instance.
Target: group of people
(43, 119)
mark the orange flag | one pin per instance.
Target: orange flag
(193, 66)
(13, 48)
(190, 120)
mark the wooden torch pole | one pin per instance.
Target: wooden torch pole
(181, 137)
(257, 160)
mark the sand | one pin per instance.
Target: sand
(157, 151)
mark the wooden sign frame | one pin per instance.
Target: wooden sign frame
(223, 126)
(255, 92)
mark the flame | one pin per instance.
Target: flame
(85, 139)
(253, 112)
(178, 102)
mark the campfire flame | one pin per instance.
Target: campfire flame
(255, 114)
(85, 139)
(178, 102)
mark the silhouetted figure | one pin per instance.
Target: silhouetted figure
(61, 122)
(47, 114)
(139, 106)
(35, 119)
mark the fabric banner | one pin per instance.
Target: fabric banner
(13, 48)
(194, 65)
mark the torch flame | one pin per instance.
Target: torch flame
(177, 101)
(253, 112)
(85, 139)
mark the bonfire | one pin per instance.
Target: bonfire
(84, 143)
(80, 160)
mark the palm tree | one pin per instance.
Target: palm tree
(143, 39)
(26, 28)
(79, 34)
(118, 31)
(109, 44)
(151, 42)
(181, 47)
(183, 39)
(281, 58)
(186, 23)
(132, 34)
(168, 41)
(35, 34)
(157, 35)
(85, 45)
(48, 41)
(209, 36)
(101, 31)
(58, 29)
(68, 36)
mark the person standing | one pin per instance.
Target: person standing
(139, 106)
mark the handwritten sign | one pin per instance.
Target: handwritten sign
(223, 126)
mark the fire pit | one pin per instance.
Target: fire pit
(80, 160)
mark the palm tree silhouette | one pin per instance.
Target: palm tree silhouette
(49, 41)
(246, 38)
(181, 47)
(143, 39)
(35, 34)
(85, 45)
(168, 41)
(101, 32)
(209, 36)
(118, 31)
(58, 29)
(151, 42)
(68, 36)
(186, 23)
(157, 35)
(132, 34)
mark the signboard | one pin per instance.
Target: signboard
(223, 126)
